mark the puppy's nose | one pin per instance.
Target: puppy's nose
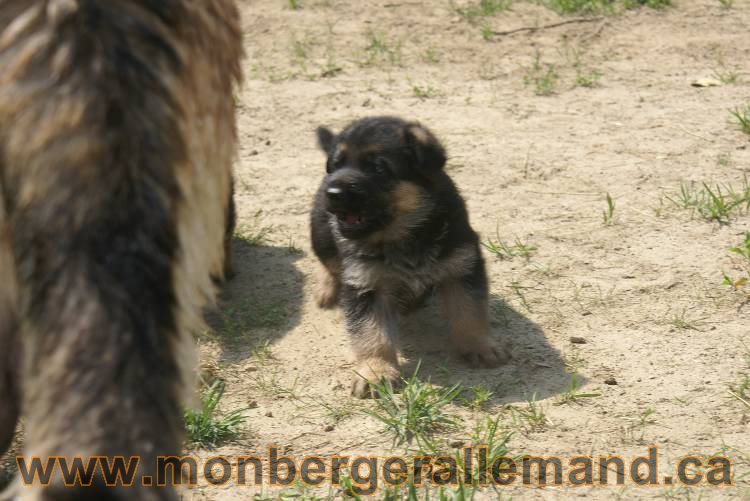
(335, 193)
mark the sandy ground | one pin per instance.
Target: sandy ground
(531, 167)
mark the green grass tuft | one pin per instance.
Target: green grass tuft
(726, 76)
(718, 203)
(740, 283)
(417, 411)
(475, 11)
(609, 214)
(255, 232)
(379, 49)
(740, 390)
(743, 249)
(252, 313)
(682, 320)
(543, 77)
(579, 6)
(652, 4)
(205, 427)
(531, 418)
(573, 393)
(604, 7)
(742, 115)
(424, 91)
(588, 80)
(507, 251)
(478, 398)
(490, 433)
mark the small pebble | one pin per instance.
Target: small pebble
(328, 428)
(269, 414)
(705, 82)
(578, 340)
(253, 404)
(610, 381)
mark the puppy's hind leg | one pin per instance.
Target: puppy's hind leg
(372, 323)
(464, 301)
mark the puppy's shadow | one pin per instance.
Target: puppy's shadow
(537, 369)
(260, 304)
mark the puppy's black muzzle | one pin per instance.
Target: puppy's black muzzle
(339, 199)
(352, 199)
(346, 192)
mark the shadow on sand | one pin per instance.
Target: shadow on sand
(260, 304)
(263, 302)
(537, 370)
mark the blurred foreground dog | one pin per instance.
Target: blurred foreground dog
(117, 135)
(390, 227)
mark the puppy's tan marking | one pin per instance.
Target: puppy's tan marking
(340, 153)
(420, 134)
(407, 197)
(408, 204)
(371, 150)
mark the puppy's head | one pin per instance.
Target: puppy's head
(379, 172)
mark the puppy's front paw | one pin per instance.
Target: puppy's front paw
(326, 297)
(373, 370)
(485, 354)
(327, 293)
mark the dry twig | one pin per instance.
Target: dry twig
(548, 26)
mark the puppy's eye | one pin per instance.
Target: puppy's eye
(379, 165)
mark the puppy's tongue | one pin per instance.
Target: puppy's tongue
(352, 219)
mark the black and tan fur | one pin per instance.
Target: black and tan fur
(117, 135)
(390, 228)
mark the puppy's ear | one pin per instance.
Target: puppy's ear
(429, 154)
(325, 138)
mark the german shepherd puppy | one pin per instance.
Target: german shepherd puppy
(117, 134)
(390, 227)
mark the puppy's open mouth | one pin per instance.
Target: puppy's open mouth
(350, 219)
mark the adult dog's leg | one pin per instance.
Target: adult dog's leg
(231, 224)
(10, 356)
